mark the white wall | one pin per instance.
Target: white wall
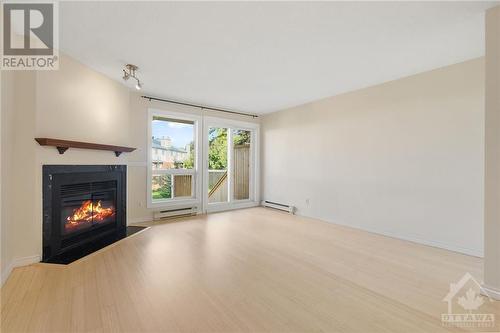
(404, 158)
(492, 174)
(17, 163)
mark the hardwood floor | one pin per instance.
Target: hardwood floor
(246, 270)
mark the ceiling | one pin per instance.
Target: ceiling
(261, 57)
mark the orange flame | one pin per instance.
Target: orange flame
(89, 212)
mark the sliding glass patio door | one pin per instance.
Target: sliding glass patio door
(230, 164)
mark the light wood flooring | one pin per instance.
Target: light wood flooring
(255, 270)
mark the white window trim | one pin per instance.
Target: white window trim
(254, 191)
(196, 171)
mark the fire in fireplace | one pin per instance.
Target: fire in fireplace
(88, 213)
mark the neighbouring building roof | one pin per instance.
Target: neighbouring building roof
(157, 145)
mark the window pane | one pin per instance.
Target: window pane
(183, 185)
(172, 144)
(217, 165)
(161, 187)
(217, 148)
(241, 164)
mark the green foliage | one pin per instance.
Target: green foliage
(241, 137)
(189, 162)
(217, 152)
(163, 193)
(163, 187)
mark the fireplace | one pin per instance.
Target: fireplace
(83, 209)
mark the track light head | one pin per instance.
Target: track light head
(130, 72)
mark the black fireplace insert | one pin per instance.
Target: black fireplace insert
(84, 209)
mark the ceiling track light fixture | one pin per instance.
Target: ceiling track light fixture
(130, 72)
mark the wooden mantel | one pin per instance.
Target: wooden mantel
(63, 145)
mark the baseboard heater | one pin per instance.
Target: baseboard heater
(280, 206)
(175, 212)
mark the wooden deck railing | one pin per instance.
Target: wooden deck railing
(218, 184)
(182, 185)
(240, 177)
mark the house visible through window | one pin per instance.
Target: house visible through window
(173, 158)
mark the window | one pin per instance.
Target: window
(173, 158)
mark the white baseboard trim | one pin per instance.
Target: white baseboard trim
(18, 262)
(411, 238)
(224, 207)
(434, 243)
(491, 292)
(6, 273)
(26, 260)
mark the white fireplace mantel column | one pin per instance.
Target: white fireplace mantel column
(492, 163)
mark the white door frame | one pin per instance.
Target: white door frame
(254, 188)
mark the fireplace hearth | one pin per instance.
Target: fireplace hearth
(84, 209)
